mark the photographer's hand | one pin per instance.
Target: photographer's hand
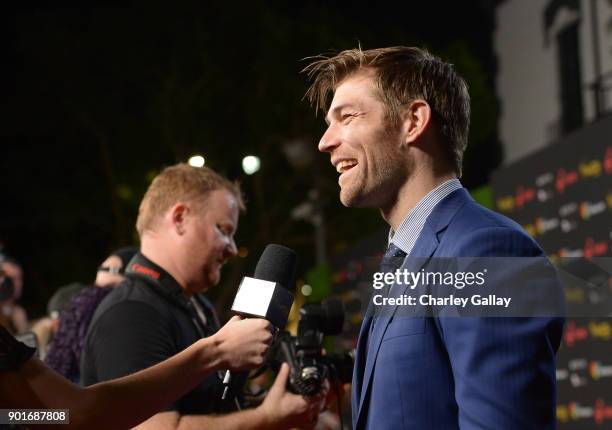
(287, 410)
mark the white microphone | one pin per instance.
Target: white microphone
(267, 294)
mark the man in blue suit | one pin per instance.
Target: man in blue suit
(397, 129)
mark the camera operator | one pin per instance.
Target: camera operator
(186, 222)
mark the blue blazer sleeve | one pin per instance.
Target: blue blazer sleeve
(503, 368)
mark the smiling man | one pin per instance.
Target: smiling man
(397, 128)
(186, 222)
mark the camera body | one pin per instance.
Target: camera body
(309, 367)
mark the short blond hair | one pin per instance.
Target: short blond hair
(183, 183)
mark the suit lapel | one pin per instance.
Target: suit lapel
(423, 249)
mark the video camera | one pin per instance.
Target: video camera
(309, 367)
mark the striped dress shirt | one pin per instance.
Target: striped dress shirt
(409, 230)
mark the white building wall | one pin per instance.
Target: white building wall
(604, 15)
(528, 75)
(527, 79)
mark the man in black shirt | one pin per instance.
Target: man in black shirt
(146, 321)
(186, 223)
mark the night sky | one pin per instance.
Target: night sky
(97, 100)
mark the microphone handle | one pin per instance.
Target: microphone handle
(227, 379)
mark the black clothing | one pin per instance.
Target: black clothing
(12, 352)
(143, 321)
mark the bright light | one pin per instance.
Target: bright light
(251, 164)
(197, 161)
(306, 290)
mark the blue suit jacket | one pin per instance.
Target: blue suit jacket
(436, 373)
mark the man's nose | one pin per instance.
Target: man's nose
(329, 140)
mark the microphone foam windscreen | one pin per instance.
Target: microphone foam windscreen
(277, 264)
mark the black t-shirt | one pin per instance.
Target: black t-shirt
(12, 352)
(144, 321)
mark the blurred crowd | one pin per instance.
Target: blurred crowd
(59, 335)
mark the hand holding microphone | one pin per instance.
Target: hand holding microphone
(242, 344)
(266, 295)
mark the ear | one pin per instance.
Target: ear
(179, 214)
(415, 120)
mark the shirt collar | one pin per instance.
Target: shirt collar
(410, 228)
